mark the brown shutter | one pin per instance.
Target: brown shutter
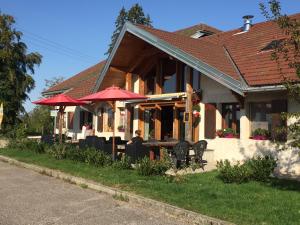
(70, 120)
(210, 120)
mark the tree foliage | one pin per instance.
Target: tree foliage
(287, 50)
(134, 15)
(16, 70)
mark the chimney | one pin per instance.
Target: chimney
(247, 22)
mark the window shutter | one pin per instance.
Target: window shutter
(70, 120)
(81, 119)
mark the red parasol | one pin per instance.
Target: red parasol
(113, 94)
(62, 101)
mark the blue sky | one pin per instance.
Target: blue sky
(73, 35)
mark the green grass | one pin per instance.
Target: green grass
(276, 202)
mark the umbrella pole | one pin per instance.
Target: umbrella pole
(60, 124)
(113, 139)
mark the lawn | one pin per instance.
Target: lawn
(275, 202)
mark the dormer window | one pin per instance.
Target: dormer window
(201, 33)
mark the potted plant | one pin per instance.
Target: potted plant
(227, 133)
(260, 134)
(196, 111)
(121, 128)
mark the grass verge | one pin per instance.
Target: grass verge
(275, 202)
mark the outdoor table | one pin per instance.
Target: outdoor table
(160, 144)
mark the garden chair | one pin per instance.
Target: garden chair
(180, 153)
(136, 151)
(199, 148)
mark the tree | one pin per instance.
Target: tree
(16, 70)
(52, 82)
(134, 15)
(287, 50)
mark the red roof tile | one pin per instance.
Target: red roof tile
(246, 50)
(210, 53)
(80, 84)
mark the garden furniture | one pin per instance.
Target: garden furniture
(199, 148)
(180, 153)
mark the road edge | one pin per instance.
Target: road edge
(173, 211)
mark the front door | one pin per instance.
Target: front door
(210, 121)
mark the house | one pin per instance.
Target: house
(228, 75)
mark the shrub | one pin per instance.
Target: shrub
(233, 173)
(257, 168)
(147, 167)
(261, 132)
(261, 167)
(26, 144)
(90, 156)
(123, 164)
(59, 151)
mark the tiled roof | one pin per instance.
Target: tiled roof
(245, 49)
(193, 29)
(210, 53)
(80, 84)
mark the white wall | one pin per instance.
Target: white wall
(239, 150)
(213, 92)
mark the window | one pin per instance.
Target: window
(85, 118)
(182, 79)
(150, 82)
(169, 77)
(231, 116)
(149, 124)
(196, 80)
(267, 116)
(100, 120)
(108, 119)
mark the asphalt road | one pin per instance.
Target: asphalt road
(29, 198)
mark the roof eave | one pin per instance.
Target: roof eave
(188, 59)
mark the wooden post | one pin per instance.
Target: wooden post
(113, 139)
(157, 123)
(175, 123)
(128, 111)
(61, 115)
(189, 104)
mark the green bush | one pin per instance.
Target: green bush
(233, 173)
(261, 132)
(147, 167)
(90, 156)
(257, 168)
(123, 164)
(261, 167)
(26, 144)
(59, 151)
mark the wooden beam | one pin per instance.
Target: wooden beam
(141, 121)
(157, 124)
(128, 82)
(189, 104)
(141, 84)
(175, 123)
(117, 69)
(239, 98)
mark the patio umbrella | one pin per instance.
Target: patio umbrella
(62, 101)
(111, 95)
